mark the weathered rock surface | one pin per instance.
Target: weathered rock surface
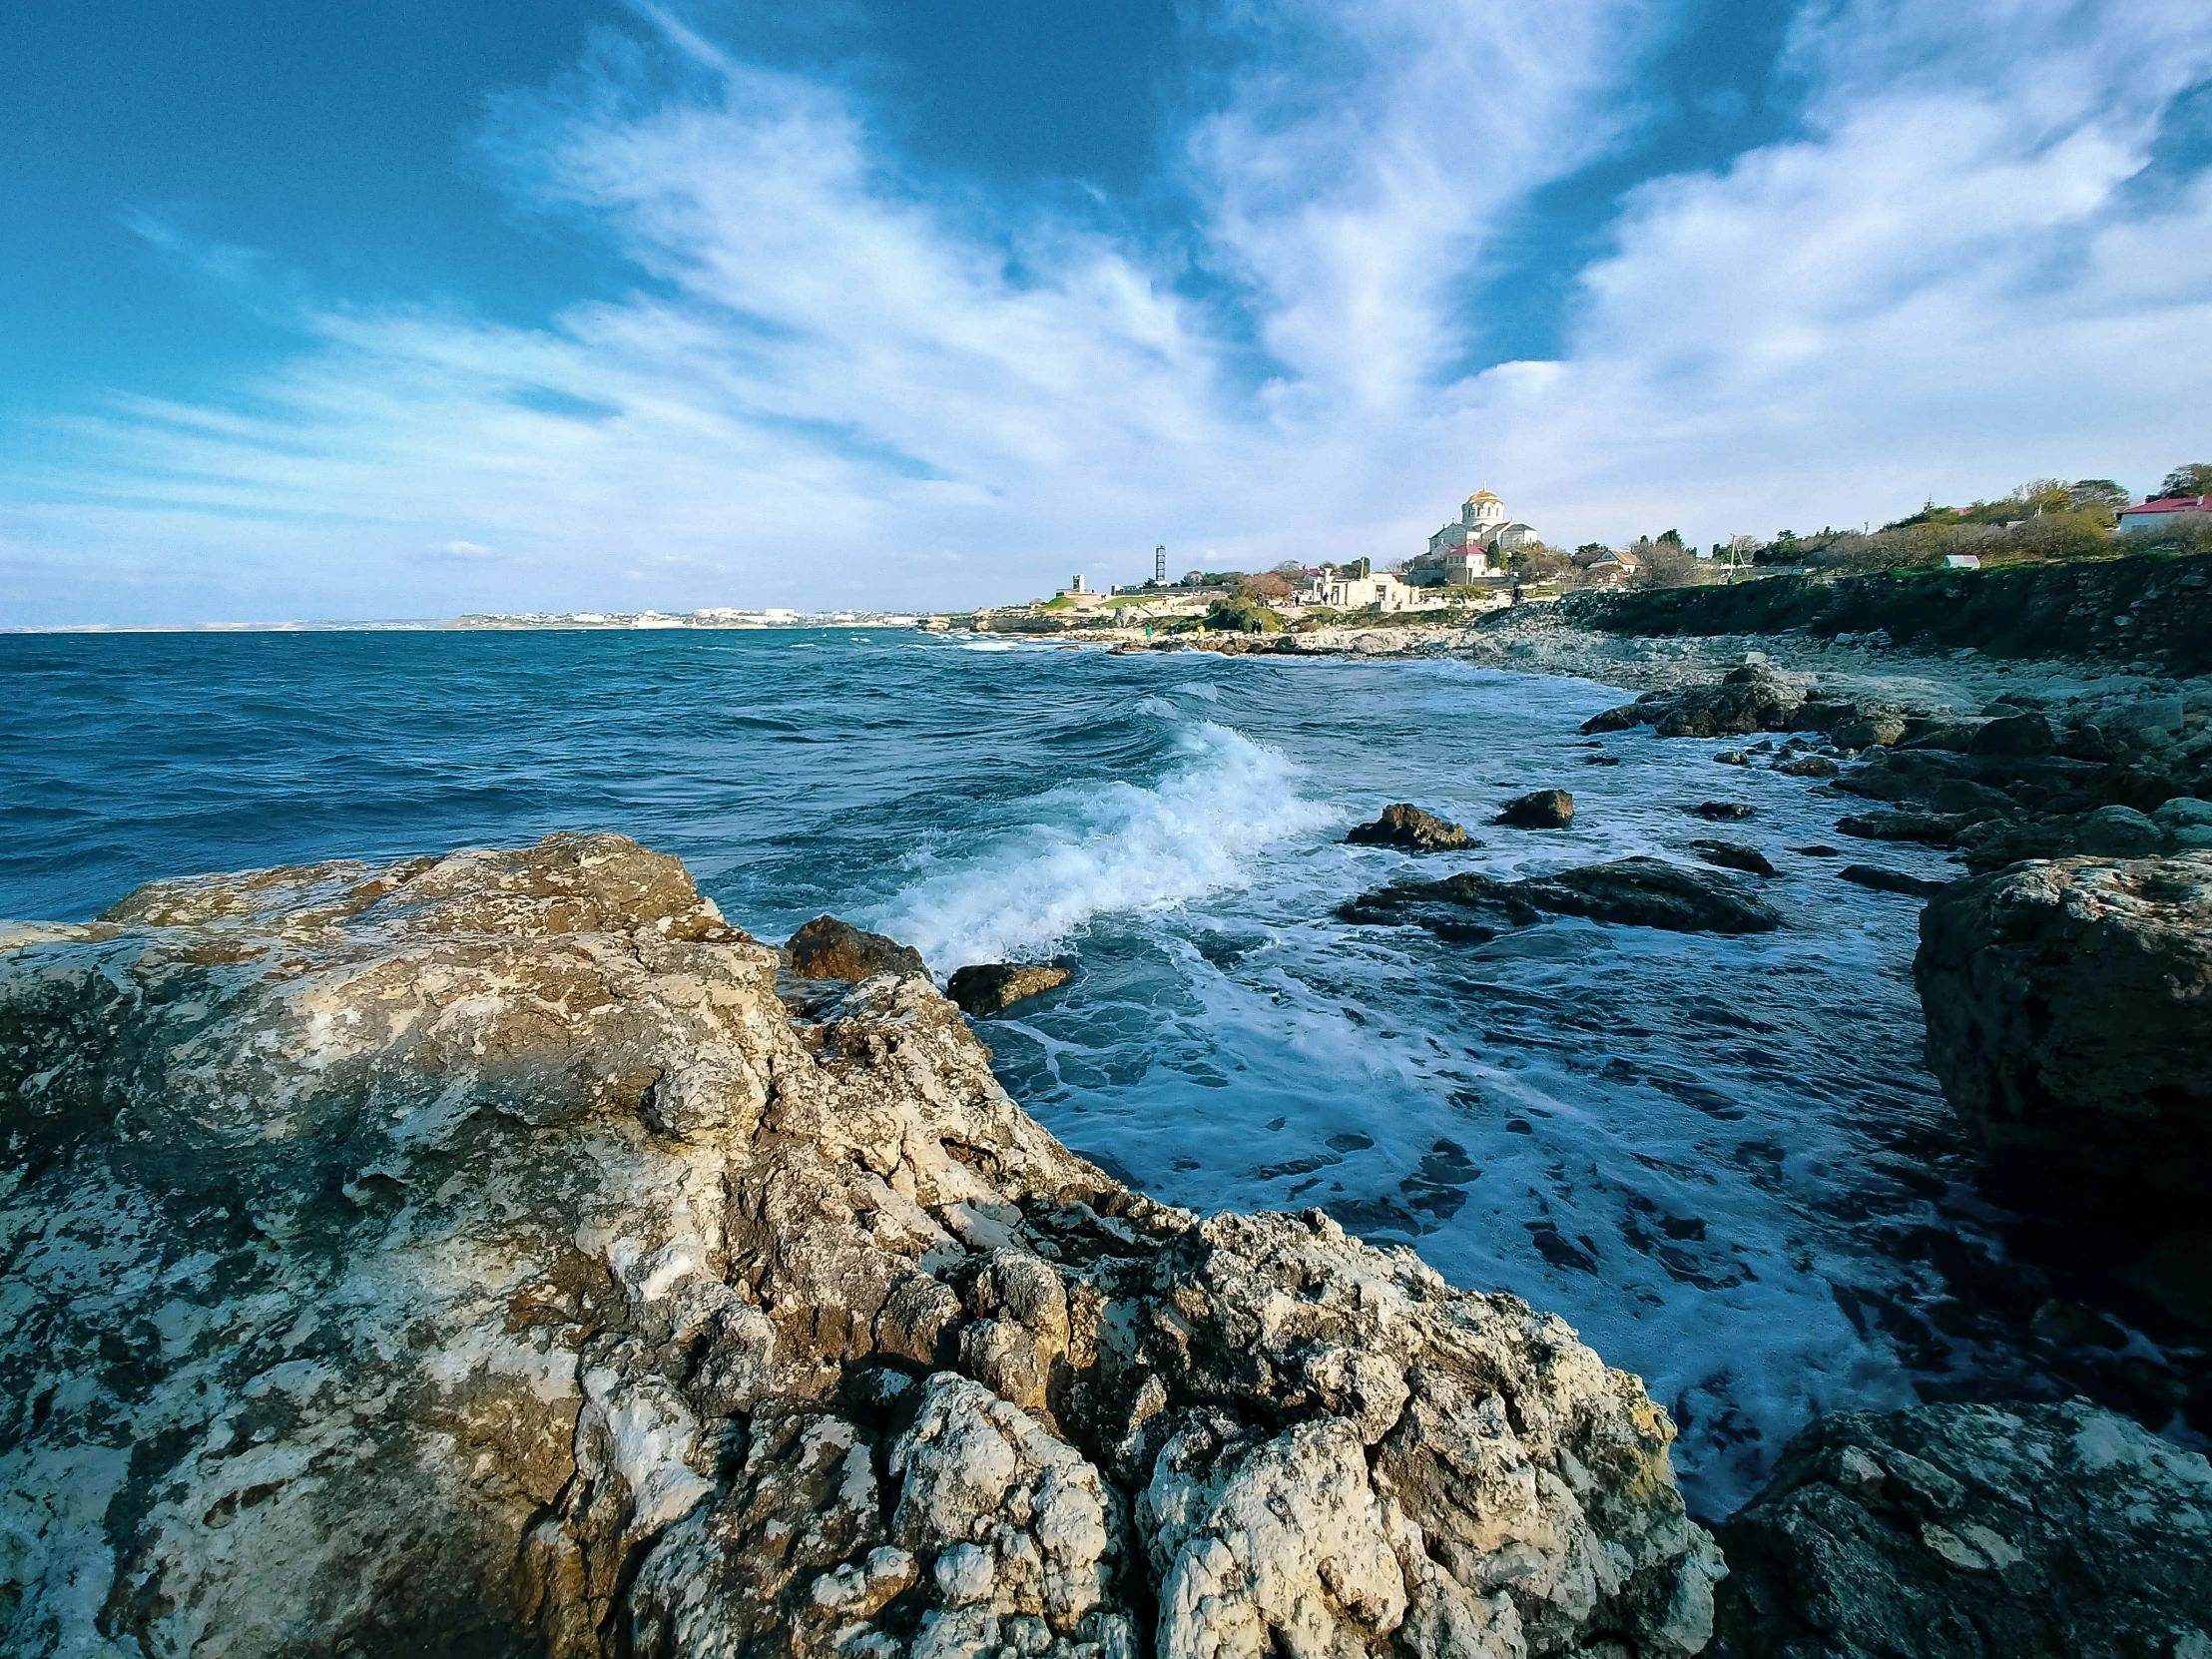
(1755, 698)
(1538, 810)
(2069, 1021)
(1969, 1531)
(986, 989)
(1642, 893)
(826, 949)
(1722, 812)
(1734, 856)
(1934, 828)
(1404, 824)
(475, 1256)
(1650, 892)
(1890, 881)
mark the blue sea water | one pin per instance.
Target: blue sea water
(1719, 1159)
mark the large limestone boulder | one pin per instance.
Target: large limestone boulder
(474, 1255)
(2069, 1021)
(1968, 1531)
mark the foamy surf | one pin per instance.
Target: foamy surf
(1102, 847)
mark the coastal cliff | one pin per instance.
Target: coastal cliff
(494, 1255)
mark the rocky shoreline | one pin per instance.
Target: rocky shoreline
(502, 1254)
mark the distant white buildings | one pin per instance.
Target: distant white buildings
(1346, 591)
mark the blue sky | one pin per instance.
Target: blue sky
(411, 308)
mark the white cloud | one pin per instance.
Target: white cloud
(846, 382)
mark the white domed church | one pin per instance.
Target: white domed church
(1483, 523)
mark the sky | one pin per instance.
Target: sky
(428, 307)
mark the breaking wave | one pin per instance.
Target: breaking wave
(1097, 848)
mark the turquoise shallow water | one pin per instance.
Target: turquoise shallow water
(1719, 1159)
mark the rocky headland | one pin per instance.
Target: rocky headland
(501, 1254)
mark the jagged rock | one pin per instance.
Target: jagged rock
(2021, 734)
(1871, 724)
(1405, 825)
(475, 1256)
(1722, 811)
(986, 989)
(1751, 698)
(1956, 735)
(1807, 766)
(2106, 833)
(1968, 1531)
(2069, 1013)
(1890, 881)
(1649, 893)
(1539, 810)
(826, 949)
(1934, 828)
(1734, 856)
(1642, 893)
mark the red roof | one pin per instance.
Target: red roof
(2172, 504)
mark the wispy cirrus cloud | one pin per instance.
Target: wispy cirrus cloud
(839, 379)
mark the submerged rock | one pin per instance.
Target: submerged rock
(986, 989)
(1933, 829)
(2069, 1021)
(1723, 810)
(1734, 856)
(1968, 1531)
(1650, 892)
(1405, 825)
(1538, 810)
(1890, 881)
(476, 1256)
(1643, 892)
(826, 949)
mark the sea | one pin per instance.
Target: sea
(1719, 1159)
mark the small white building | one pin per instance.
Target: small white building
(1081, 597)
(1338, 591)
(2157, 515)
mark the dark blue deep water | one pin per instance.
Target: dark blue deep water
(1709, 1155)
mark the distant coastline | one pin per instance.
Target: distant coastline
(721, 620)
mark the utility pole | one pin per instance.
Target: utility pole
(1159, 566)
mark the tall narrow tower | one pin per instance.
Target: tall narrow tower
(1160, 565)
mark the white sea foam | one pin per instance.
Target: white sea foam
(1102, 847)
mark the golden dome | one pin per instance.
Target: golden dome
(1482, 495)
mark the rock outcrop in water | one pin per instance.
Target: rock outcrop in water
(1404, 824)
(1639, 892)
(826, 949)
(2069, 1021)
(1969, 1531)
(1538, 810)
(986, 988)
(474, 1255)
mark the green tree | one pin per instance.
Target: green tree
(1242, 614)
(2195, 479)
(2091, 495)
